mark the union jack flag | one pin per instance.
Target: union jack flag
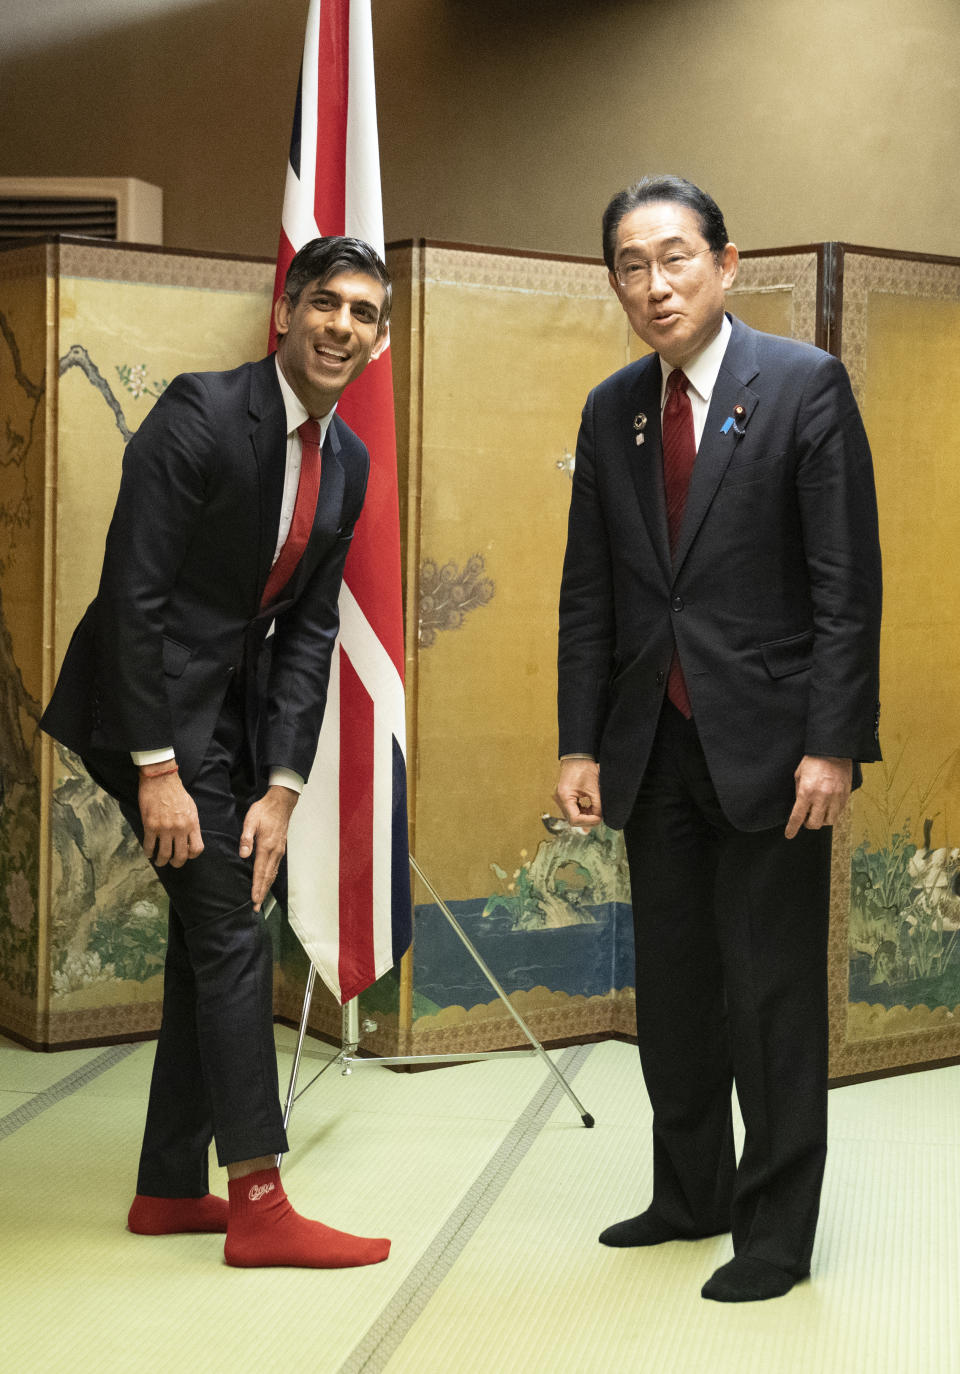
(348, 875)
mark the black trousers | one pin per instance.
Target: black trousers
(215, 1071)
(731, 950)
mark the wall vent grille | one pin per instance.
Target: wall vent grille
(117, 208)
(24, 217)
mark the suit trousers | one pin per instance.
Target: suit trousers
(731, 947)
(215, 1071)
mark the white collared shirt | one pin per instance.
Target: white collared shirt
(296, 414)
(701, 373)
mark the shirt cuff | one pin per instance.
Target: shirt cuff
(142, 757)
(589, 757)
(286, 777)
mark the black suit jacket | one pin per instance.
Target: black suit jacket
(177, 614)
(773, 595)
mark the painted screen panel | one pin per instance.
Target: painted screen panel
(120, 326)
(24, 405)
(898, 957)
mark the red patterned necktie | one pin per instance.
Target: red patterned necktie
(679, 456)
(303, 513)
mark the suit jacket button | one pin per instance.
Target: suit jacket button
(659, 679)
(677, 603)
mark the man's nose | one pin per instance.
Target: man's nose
(341, 319)
(659, 285)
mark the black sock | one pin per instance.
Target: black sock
(647, 1229)
(743, 1279)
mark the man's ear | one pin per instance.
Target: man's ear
(729, 261)
(615, 286)
(382, 343)
(282, 310)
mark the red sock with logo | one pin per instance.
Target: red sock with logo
(265, 1230)
(169, 1216)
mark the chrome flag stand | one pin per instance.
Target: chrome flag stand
(347, 1058)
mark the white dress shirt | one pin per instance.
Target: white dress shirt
(296, 414)
(701, 373)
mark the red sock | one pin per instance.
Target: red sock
(167, 1216)
(265, 1230)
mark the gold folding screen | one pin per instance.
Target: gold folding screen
(493, 355)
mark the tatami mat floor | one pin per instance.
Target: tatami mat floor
(493, 1194)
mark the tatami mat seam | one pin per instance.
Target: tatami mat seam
(372, 1353)
(63, 1088)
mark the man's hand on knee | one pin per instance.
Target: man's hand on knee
(265, 836)
(171, 826)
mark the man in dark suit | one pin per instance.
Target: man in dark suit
(236, 509)
(719, 629)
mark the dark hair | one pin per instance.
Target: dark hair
(648, 191)
(320, 259)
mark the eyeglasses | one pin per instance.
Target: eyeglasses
(634, 274)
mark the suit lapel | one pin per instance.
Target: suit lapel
(718, 442)
(645, 461)
(332, 480)
(268, 437)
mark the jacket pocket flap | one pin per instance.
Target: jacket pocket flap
(785, 656)
(176, 656)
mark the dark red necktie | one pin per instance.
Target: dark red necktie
(303, 513)
(679, 456)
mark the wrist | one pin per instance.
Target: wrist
(158, 770)
(285, 777)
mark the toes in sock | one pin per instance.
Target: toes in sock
(744, 1279)
(646, 1229)
(168, 1216)
(265, 1230)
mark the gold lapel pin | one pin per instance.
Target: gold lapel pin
(640, 424)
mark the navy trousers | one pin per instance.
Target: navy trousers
(215, 1071)
(731, 951)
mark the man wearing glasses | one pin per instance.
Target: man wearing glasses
(718, 666)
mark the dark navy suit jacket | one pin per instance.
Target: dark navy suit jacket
(177, 614)
(772, 597)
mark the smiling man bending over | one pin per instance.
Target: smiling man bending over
(236, 509)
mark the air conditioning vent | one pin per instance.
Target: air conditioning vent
(117, 208)
(32, 217)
